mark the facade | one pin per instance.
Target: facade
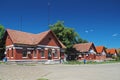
(85, 51)
(101, 53)
(111, 53)
(26, 46)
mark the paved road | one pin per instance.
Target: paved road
(60, 72)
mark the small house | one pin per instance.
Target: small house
(23, 46)
(101, 53)
(85, 51)
(111, 53)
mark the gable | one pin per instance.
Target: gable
(8, 40)
(93, 47)
(50, 40)
(103, 52)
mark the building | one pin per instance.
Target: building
(85, 51)
(111, 53)
(101, 53)
(23, 46)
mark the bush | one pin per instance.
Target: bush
(73, 62)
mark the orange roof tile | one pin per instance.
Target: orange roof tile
(99, 49)
(83, 47)
(19, 37)
(111, 51)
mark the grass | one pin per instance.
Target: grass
(91, 62)
(0, 62)
(42, 79)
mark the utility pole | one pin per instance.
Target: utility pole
(49, 12)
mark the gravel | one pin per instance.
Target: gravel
(60, 72)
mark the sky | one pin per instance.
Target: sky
(97, 21)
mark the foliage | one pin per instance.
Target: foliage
(2, 30)
(66, 35)
(2, 41)
(91, 62)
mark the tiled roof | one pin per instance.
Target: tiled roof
(63, 46)
(111, 51)
(99, 49)
(19, 37)
(83, 47)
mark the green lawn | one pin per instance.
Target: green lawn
(91, 62)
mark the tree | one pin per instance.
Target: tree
(2, 30)
(66, 35)
(2, 41)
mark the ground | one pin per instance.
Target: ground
(60, 72)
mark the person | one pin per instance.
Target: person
(61, 60)
(84, 61)
(65, 56)
(5, 59)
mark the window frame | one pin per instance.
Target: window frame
(42, 53)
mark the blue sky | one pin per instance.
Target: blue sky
(97, 21)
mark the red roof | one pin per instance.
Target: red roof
(111, 51)
(83, 47)
(100, 49)
(19, 37)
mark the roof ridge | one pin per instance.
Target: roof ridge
(28, 32)
(21, 31)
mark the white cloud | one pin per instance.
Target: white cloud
(91, 30)
(116, 34)
(86, 31)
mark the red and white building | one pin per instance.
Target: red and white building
(111, 53)
(85, 51)
(101, 53)
(24, 46)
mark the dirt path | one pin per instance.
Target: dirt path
(60, 72)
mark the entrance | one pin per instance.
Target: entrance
(49, 54)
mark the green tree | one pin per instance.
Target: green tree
(66, 35)
(2, 30)
(2, 41)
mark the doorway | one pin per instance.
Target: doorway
(49, 54)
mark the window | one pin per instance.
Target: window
(55, 53)
(34, 53)
(49, 53)
(12, 53)
(24, 52)
(42, 52)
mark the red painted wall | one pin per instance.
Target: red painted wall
(17, 54)
(49, 40)
(8, 41)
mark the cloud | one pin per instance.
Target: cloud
(86, 31)
(91, 30)
(115, 35)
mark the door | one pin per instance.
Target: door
(49, 54)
